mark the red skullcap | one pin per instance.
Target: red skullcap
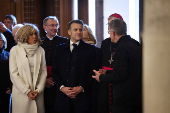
(116, 15)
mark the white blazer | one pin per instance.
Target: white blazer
(22, 81)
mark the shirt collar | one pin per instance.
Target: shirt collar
(50, 38)
(75, 43)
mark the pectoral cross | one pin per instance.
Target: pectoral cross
(111, 60)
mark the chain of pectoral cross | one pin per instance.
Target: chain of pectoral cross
(111, 55)
(111, 60)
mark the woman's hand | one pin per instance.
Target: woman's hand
(32, 95)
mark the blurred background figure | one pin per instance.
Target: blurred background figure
(10, 21)
(28, 71)
(6, 28)
(5, 82)
(15, 29)
(88, 35)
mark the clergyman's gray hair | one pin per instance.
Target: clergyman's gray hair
(118, 26)
(50, 17)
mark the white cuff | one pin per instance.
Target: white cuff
(61, 86)
(82, 88)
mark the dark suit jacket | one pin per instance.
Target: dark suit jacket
(45, 45)
(10, 40)
(5, 81)
(77, 73)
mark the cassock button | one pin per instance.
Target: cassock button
(72, 68)
(67, 80)
(67, 69)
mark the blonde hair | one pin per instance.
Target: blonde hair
(25, 31)
(90, 33)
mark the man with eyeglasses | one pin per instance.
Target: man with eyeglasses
(126, 76)
(6, 28)
(107, 50)
(50, 25)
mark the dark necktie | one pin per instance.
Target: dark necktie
(74, 46)
(73, 53)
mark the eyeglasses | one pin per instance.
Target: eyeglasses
(53, 25)
(109, 31)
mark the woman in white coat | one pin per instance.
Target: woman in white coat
(28, 71)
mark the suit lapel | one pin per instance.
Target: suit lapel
(74, 55)
(77, 52)
(25, 64)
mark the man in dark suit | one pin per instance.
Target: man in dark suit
(50, 25)
(126, 76)
(73, 66)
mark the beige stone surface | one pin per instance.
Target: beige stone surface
(156, 56)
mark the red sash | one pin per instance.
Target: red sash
(49, 68)
(110, 89)
(107, 68)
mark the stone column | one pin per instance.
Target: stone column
(156, 56)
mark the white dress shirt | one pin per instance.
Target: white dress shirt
(71, 45)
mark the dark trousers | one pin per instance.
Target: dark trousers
(49, 99)
(126, 109)
(4, 102)
(72, 112)
(72, 108)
